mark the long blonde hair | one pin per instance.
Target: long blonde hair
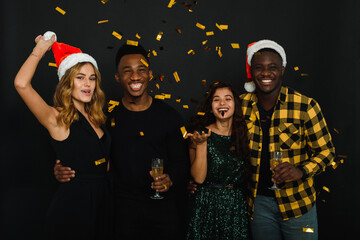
(64, 104)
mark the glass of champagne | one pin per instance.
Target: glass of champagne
(275, 160)
(157, 168)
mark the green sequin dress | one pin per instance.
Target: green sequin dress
(218, 212)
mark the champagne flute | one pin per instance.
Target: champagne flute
(157, 168)
(275, 160)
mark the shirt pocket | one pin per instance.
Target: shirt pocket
(289, 135)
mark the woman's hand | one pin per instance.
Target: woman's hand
(198, 138)
(43, 45)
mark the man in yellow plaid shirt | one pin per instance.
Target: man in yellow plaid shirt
(281, 119)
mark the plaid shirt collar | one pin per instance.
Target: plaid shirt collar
(281, 98)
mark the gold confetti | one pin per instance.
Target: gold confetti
(201, 113)
(100, 161)
(112, 104)
(166, 96)
(326, 189)
(337, 163)
(158, 86)
(337, 131)
(296, 68)
(178, 100)
(117, 35)
(232, 148)
(60, 10)
(191, 51)
(154, 53)
(137, 36)
(144, 62)
(308, 230)
(112, 122)
(142, 134)
(207, 48)
(235, 45)
(342, 156)
(103, 21)
(224, 27)
(200, 26)
(52, 64)
(131, 42)
(218, 26)
(104, 1)
(184, 132)
(210, 33)
(178, 30)
(161, 97)
(218, 49)
(304, 74)
(204, 42)
(203, 82)
(159, 36)
(186, 106)
(161, 77)
(171, 3)
(176, 76)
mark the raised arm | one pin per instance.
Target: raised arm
(198, 155)
(42, 111)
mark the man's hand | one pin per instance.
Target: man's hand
(63, 174)
(191, 187)
(162, 183)
(286, 172)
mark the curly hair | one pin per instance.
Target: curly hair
(238, 129)
(64, 104)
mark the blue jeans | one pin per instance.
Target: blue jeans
(268, 224)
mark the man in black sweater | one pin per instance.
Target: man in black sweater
(143, 128)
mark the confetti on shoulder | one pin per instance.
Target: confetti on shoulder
(200, 26)
(52, 64)
(235, 45)
(103, 21)
(171, 3)
(144, 62)
(131, 42)
(117, 35)
(112, 104)
(60, 10)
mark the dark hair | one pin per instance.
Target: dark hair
(269, 50)
(238, 128)
(130, 49)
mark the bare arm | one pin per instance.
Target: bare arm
(198, 155)
(42, 111)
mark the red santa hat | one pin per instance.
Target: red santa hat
(67, 56)
(255, 47)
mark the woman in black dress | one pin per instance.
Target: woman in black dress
(79, 209)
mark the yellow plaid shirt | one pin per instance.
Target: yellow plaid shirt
(299, 130)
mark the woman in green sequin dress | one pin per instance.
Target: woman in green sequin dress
(219, 159)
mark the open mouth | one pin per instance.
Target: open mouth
(136, 86)
(86, 92)
(222, 111)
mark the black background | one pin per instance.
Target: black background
(319, 37)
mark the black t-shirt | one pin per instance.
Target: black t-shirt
(137, 137)
(265, 173)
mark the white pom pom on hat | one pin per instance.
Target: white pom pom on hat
(255, 47)
(67, 56)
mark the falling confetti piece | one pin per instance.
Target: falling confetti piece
(104, 1)
(144, 62)
(112, 122)
(204, 42)
(162, 97)
(235, 45)
(166, 96)
(337, 131)
(158, 86)
(103, 21)
(176, 76)
(224, 27)
(186, 106)
(203, 82)
(218, 49)
(154, 53)
(200, 26)
(159, 36)
(326, 189)
(112, 104)
(142, 134)
(178, 100)
(210, 33)
(296, 68)
(308, 230)
(342, 156)
(100, 161)
(52, 64)
(191, 51)
(131, 42)
(178, 30)
(201, 113)
(337, 163)
(60, 10)
(304, 74)
(117, 35)
(184, 132)
(218, 26)
(161, 77)
(171, 3)
(137, 36)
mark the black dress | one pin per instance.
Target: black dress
(80, 209)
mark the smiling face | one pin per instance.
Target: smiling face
(223, 104)
(84, 84)
(267, 71)
(133, 75)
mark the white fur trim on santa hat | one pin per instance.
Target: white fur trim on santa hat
(72, 60)
(250, 86)
(266, 44)
(48, 35)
